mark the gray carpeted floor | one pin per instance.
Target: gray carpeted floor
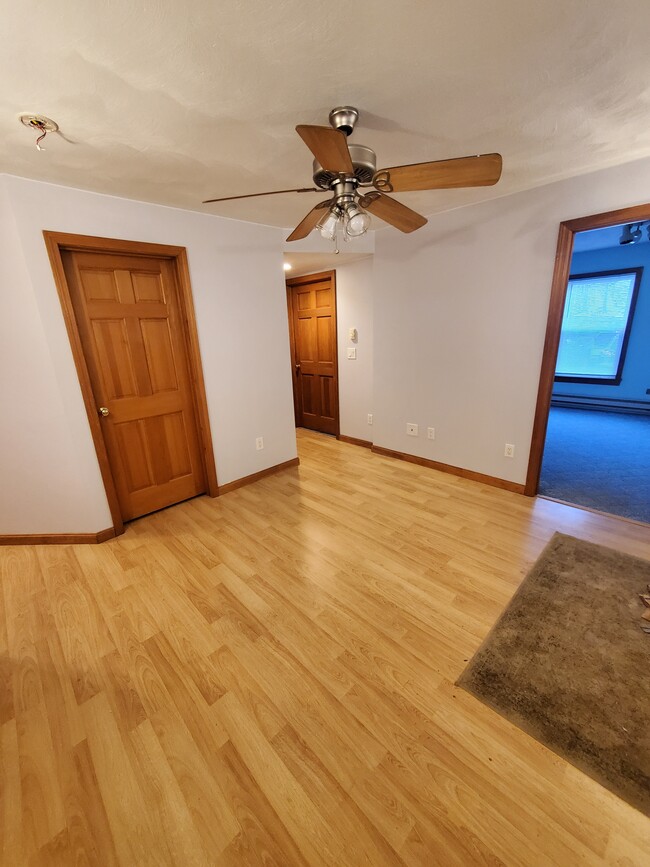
(568, 663)
(600, 460)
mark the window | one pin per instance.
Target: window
(596, 325)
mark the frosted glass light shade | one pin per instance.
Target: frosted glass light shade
(357, 224)
(327, 227)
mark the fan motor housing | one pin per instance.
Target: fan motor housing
(364, 161)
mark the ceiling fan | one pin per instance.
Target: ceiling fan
(344, 169)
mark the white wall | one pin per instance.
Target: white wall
(460, 315)
(354, 303)
(45, 484)
(50, 477)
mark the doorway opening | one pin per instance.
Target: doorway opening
(591, 440)
(130, 318)
(311, 305)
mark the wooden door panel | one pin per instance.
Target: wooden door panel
(132, 440)
(312, 310)
(307, 394)
(99, 284)
(323, 297)
(130, 325)
(304, 298)
(167, 440)
(161, 365)
(324, 339)
(111, 346)
(148, 287)
(307, 343)
(327, 397)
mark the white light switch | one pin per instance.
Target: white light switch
(352, 352)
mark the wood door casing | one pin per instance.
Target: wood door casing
(561, 273)
(312, 315)
(129, 321)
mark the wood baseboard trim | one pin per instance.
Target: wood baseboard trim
(366, 444)
(493, 481)
(255, 477)
(59, 538)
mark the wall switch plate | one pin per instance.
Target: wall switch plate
(369, 418)
(431, 433)
(259, 443)
(411, 429)
(509, 450)
(352, 352)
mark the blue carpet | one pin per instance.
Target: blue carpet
(600, 460)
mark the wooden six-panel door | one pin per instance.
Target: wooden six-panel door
(128, 317)
(312, 314)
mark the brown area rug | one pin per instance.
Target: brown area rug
(568, 663)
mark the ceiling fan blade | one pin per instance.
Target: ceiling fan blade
(329, 146)
(392, 212)
(305, 226)
(254, 195)
(481, 171)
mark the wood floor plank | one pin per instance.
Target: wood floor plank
(296, 811)
(128, 817)
(213, 815)
(12, 836)
(267, 679)
(175, 823)
(43, 814)
(263, 841)
(363, 842)
(91, 838)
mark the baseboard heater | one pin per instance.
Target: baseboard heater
(605, 404)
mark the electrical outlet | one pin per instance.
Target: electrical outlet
(509, 450)
(369, 418)
(411, 429)
(431, 433)
(259, 443)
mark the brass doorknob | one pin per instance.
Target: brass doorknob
(103, 410)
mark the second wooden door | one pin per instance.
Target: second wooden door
(129, 321)
(312, 321)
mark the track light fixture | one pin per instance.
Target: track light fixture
(631, 234)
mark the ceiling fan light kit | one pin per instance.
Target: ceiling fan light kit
(342, 168)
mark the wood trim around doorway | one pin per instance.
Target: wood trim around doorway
(58, 242)
(561, 272)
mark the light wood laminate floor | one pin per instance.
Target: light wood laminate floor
(268, 679)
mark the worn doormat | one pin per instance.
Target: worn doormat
(568, 663)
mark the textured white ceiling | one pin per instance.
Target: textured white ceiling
(176, 102)
(310, 263)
